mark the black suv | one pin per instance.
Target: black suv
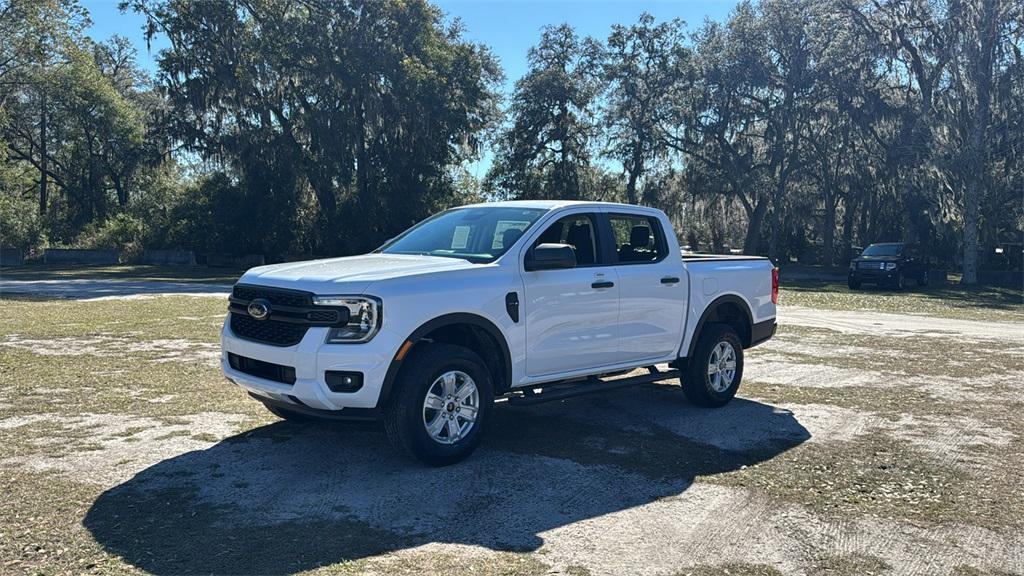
(891, 264)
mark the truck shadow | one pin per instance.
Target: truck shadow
(283, 498)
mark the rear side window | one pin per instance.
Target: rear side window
(637, 238)
(578, 231)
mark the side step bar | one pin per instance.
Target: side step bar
(591, 385)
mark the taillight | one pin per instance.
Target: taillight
(775, 285)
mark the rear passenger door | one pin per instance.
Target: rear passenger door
(652, 287)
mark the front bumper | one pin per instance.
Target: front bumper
(874, 276)
(311, 358)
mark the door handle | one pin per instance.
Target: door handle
(602, 284)
(669, 280)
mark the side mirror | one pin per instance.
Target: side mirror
(551, 257)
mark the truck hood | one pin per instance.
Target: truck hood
(351, 274)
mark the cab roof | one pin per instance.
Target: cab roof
(553, 204)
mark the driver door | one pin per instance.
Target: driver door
(572, 314)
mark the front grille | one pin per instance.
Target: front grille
(871, 265)
(261, 369)
(267, 331)
(273, 295)
(288, 314)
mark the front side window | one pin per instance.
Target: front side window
(637, 238)
(577, 231)
(478, 234)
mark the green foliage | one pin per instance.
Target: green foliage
(546, 151)
(20, 224)
(122, 232)
(358, 108)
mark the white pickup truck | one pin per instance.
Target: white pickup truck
(527, 301)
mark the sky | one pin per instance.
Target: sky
(509, 27)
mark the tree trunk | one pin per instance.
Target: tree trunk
(849, 208)
(43, 152)
(777, 201)
(755, 219)
(828, 232)
(636, 166)
(982, 77)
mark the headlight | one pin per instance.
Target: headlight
(364, 318)
(890, 265)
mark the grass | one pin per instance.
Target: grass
(99, 383)
(948, 301)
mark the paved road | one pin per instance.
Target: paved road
(899, 325)
(82, 289)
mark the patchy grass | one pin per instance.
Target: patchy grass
(878, 475)
(731, 569)
(95, 392)
(949, 301)
(123, 272)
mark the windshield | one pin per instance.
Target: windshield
(479, 234)
(883, 250)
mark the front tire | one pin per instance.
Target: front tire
(900, 283)
(853, 284)
(714, 372)
(442, 405)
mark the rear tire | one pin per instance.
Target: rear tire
(922, 280)
(713, 374)
(442, 406)
(900, 283)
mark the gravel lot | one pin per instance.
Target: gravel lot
(863, 442)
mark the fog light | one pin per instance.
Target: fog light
(343, 381)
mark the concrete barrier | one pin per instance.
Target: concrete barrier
(1003, 278)
(76, 256)
(11, 257)
(221, 260)
(169, 257)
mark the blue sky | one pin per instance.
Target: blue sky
(509, 27)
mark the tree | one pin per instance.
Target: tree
(546, 151)
(646, 67)
(364, 104)
(36, 36)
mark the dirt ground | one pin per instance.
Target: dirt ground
(863, 442)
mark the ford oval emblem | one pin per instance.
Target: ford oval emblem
(259, 309)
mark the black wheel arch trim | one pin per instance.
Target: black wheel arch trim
(724, 299)
(440, 322)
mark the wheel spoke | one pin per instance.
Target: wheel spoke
(465, 391)
(730, 365)
(435, 426)
(712, 368)
(453, 430)
(468, 413)
(434, 401)
(448, 381)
